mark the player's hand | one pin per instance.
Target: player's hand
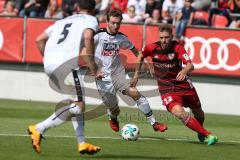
(99, 75)
(181, 75)
(133, 82)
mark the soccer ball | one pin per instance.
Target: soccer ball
(130, 132)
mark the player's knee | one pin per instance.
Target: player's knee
(133, 93)
(179, 112)
(181, 115)
(77, 108)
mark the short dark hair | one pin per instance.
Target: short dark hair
(86, 4)
(165, 28)
(114, 13)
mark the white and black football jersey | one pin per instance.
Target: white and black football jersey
(65, 39)
(107, 47)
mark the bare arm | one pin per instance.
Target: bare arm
(88, 54)
(182, 74)
(134, 80)
(179, 16)
(190, 19)
(41, 42)
(237, 3)
(29, 4)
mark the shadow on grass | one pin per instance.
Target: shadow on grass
(167, 138)
(109, 156)
(114, 156)
(217, 144)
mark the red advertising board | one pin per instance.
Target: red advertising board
(11, 39)
(215, 52)
(152, 34)
(135, 34)
(34, 28)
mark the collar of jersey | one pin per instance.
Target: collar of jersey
(111, 34)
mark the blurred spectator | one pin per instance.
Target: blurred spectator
(19, 5)
(184, 18)
(101, 9)
(102, 6)
(34, 8)
(68, 7)
(9, 9)
(54, 11)
(131, 16)
(151, 5)
(2, 5)
(59, 2)
(222, 9)
(201, 4)
(170, 9)
(119, 4)
(140, 6)
(155, 17)
(235, 24)
(235, 8)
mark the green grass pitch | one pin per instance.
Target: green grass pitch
(178, 143)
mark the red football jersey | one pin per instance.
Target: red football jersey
(167, 64)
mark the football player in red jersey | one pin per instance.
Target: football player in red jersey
(175, 86)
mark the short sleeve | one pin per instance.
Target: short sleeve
(183, 55)
(49, 30)
(92, 24)
(146, 51)
(165, 6)
(126, 43)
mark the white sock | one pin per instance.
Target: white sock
(144, 106)
(57, 118)
(78, 125)
(111, 116)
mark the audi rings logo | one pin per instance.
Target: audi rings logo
(1, 39)
(206, 53)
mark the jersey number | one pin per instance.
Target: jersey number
(167, 100)
(64, 33)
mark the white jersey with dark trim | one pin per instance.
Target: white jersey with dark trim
(65, 37)
(107, 47)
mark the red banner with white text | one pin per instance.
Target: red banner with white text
(213, 51)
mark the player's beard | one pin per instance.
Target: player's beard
(166, 46)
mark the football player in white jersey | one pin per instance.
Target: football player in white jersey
(108, 42)
(60, 45)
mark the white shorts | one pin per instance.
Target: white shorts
(108, 89)
(67, 81)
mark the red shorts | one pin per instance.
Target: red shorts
(187, 98)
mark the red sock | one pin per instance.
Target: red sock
(193, 124)
(200, 120)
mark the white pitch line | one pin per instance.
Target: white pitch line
(115, 138)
